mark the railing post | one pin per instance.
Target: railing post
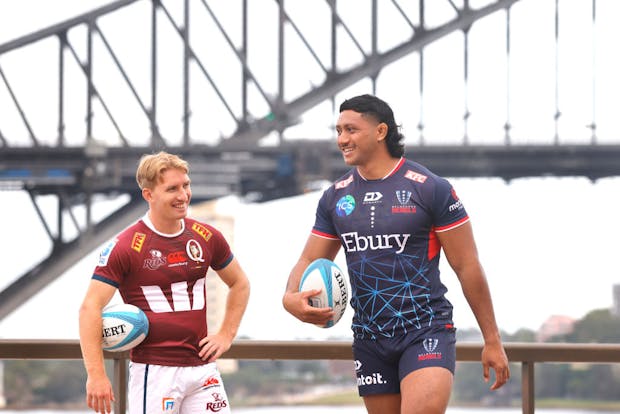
(527, 387)
(119, 385)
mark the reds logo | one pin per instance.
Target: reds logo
(218, 404)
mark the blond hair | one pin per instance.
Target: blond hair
(152, 166)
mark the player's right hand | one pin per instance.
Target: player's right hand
(99, 394)
(298, 305)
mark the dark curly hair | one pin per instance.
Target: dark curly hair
(370, 105)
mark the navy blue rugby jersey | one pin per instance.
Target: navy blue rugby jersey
(388, 229)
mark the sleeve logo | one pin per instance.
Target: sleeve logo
(414, 176)
(138, 241)
(202, 231)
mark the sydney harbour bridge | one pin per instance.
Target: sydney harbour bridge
(248, 91)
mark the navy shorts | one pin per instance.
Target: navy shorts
(381, 363)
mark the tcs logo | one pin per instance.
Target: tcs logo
(345, 205)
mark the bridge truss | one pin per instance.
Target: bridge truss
(248, 93)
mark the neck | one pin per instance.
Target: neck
(165, 226)
(378, 169)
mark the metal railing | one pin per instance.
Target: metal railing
(528, 354)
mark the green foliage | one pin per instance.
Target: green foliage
(33, 382)
(583, 381)
(597, 326)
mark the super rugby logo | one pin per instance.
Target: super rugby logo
(405, 203)
(105, 253)
(430, 345)
(345, 205)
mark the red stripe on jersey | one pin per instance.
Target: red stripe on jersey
(452, 225)
(433, 242)
(324, 235)
(400, 164)
(433, 245)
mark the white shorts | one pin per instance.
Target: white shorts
(176, 390)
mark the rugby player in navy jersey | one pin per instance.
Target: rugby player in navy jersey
(159, 264)
(393, 216)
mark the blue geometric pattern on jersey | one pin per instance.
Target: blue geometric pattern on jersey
(383, 294)
(388, 231)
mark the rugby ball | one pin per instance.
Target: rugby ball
(124, 327)
(326, 275)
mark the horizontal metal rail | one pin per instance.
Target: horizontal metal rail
(528, 354)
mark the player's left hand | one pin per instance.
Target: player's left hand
(213, 346)
(494, 356)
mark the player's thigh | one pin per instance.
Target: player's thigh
(426, 391)
(207, 393)
(382, 403)
(211, 401)
(153, 389)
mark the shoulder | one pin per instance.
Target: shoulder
(134, 235)
(423, 176)
(203, 230)
(341, 184)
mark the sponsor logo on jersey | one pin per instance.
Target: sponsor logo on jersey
(106, 252)
(182, 300)
(372, 197)
(458, 205)
(155, 261)
(344, 183)
(372, 379)
(218, 404)
(430, 345)
(405, 203)
(176, 259)
(345, 205)
(202, 230)
(414, 176)
(167, 404)
(138, 241)
(353, 242)
(358, 364)
(210, 383)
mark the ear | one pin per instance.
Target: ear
(382, 130)
(147, 194)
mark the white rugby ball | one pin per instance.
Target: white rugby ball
(325, 275)
(124, 327)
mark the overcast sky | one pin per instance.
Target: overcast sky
(548, 244)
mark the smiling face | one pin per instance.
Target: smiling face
(169, 200)
(360, 138)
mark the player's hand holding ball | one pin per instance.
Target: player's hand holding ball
(324, 287)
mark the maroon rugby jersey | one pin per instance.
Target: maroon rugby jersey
(164, 275)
